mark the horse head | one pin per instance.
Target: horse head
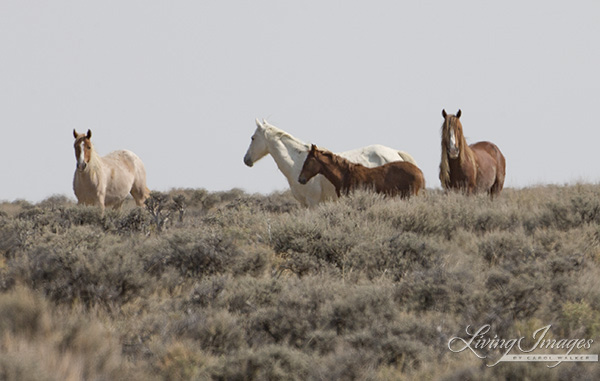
(83, 149)
(312, 165)
(452, 134)
(258, 145)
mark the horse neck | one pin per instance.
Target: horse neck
(288, 152)
(459, 165)
(463, 167)
(94, 165)
(335, 169)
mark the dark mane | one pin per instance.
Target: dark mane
(340, 161)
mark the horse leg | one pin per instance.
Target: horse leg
(498, 184)
(496, 187)
(140, 195)
(414, 189)
(471, 189)
(101, 203)
(117, 205)
(500, 175)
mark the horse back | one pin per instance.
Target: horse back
(376, 155)
(127, 173)
(403, 178)
(492, 151)
(124, 159)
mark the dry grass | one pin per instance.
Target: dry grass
(228, 285)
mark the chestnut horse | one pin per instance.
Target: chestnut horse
(106, 181)
(395, 178)
(472, 168)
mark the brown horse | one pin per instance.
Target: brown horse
(472, 168)
(398, 177)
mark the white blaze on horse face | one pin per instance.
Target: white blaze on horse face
(453, 149)
(81, 164)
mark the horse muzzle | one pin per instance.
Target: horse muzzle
(81, 166)
(302, 180)
(248, 161)
(453, 152)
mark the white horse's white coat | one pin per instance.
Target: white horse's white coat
(106, 181)
(289, 154)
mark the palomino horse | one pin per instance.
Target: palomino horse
(475, 168)
(106, 181)
(395, 178)
(289, 153)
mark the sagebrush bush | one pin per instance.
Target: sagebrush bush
(215, 331)
(239, 286)
(84, 265)
(22, 313)
(193, 253)
(40, 342)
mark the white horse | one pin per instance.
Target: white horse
(289, 153)
(106, 181)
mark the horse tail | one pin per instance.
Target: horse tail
(407, 157)
(500, 172)
(420, 183)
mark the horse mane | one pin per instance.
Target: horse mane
(274, 132)
(339, 161)
(444, 164)
(94, 163)
(465, 152)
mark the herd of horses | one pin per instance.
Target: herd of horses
(314, 175)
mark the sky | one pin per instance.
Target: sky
(181, 83)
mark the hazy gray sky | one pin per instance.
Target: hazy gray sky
(180, 83)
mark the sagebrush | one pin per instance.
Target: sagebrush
(247, 286)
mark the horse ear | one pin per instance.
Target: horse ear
(313, 148)
(458, 114)
(89, 134)
(75, 134)
(444, 113)
(258, 123)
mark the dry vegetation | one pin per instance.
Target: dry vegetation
(232, 286)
